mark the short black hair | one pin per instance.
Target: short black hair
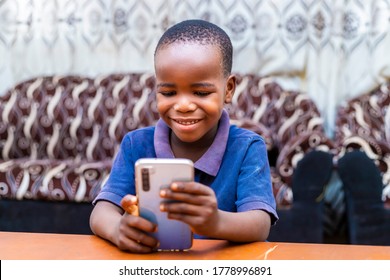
(201, 32)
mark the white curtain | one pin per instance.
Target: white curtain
(330, 49)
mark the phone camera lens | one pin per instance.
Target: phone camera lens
(145, 179)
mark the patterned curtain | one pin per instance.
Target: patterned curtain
(330, 49)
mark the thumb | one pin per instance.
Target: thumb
(129, 203)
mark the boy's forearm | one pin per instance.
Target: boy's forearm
(104, 220)
(247, 226)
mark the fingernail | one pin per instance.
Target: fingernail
(163, 193)
(162, 207)
(174, 186)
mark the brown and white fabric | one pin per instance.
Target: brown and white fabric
(58, 135)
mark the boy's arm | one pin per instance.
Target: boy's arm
(243, 226)
(127, 231)
(104, 220)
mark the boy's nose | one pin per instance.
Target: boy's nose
(184, 105)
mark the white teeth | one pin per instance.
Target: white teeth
(187, 122)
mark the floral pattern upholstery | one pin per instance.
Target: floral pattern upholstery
(59, 134)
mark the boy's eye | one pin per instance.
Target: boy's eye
(201, 93)
(167, 93)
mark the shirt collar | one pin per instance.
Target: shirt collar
(211, 161)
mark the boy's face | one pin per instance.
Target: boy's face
(191, 89)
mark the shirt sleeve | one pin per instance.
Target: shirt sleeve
(121, 179)
(254, 190)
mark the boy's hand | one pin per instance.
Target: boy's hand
(132, 229)
(194, 204)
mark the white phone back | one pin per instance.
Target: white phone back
(160, 173)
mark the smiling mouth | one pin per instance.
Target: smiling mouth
(186, 122)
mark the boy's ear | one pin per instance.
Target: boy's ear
(230, 88)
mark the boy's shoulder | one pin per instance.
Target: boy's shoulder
(237, 132)
(141, 132)
(250, 131)
(247, 129)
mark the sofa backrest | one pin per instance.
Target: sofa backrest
(364, 115)
(69, 117)
(285, 113)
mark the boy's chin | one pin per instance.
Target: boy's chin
(187, 139)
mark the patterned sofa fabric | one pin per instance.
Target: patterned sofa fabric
(52, 180)
(294, 121)
(73, 117)
(59, 134)
(361, 125)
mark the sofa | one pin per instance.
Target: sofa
(59, 134)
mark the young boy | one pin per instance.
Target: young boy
(231, 197)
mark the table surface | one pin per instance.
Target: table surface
(46, 246)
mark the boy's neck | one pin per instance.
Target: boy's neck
(193, 150)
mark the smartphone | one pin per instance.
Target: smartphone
(151, 175)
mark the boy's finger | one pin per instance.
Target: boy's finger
(191, 187)
(129, 203)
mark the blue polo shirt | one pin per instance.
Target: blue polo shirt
(235, 166)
